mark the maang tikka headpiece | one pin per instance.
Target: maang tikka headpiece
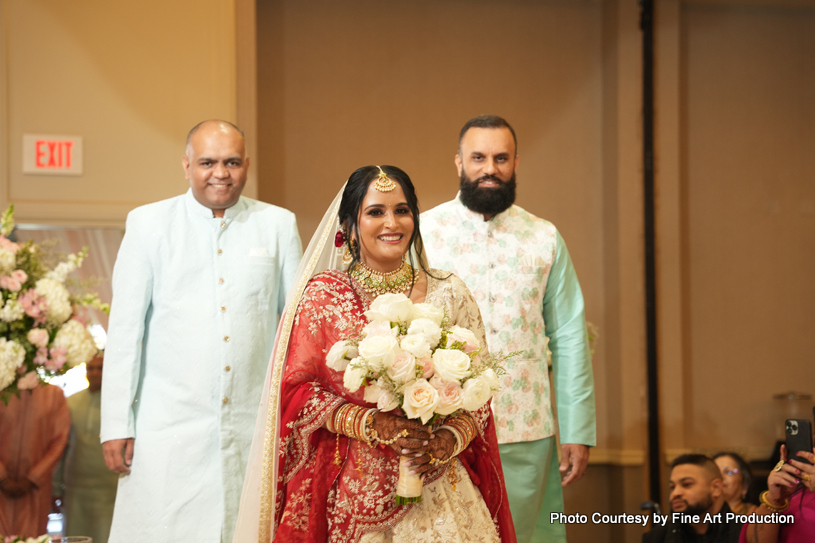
(383, 182)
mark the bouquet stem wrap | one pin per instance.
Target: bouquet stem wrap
(409, 486)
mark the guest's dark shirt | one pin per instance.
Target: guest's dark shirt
(718, 532)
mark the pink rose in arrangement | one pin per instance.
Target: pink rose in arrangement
(20, 276)
(38, 337)
(9, 245)
(58, 358)
(34, 305)
(427, 367)
(450, 396)
(42, 356)
(462, 335)
(28, 381)
(10, 283)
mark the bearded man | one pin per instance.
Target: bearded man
(519, 270)
(696, 493)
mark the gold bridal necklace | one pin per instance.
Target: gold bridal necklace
(376, 283)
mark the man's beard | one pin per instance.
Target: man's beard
(487, 201)
(698, 508)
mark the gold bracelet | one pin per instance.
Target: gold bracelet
(375, 436)
(434, 460)
(773, 508)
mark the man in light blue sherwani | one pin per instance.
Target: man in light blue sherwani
(198, 286)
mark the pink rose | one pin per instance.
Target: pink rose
(57, 359)
(10, 283)
(42, 356)
(20, 276)
(462, 335)
(33, 305)
(38, 337)
(28, 381)
(450, 396)
(9, 245)
(403, 368)
(427, 367)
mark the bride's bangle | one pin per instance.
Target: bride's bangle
(464, 428)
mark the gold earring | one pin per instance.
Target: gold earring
(348, 257)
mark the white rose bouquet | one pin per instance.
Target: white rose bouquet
(41, 328)
(409, 357)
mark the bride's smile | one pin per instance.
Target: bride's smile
(385, 228)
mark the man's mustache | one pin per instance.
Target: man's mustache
(488, 178)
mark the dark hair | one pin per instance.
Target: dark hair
(744, 469)
(698, 460)
(355, 190)
(195, 128)
(487, 121)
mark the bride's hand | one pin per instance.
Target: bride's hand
(440, 448)
(412, 436)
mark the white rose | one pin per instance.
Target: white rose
(451, 365)
(354, 375)
(420, 400)
(7, 261)
(379, 328)
(339, 355)
(12, 311)
(390, 307)
(378, 350)
(450, 396)
(381, 395)
(56, 298)
(417, 345)
(428, 328)
(78, 342)
(491, 379)
(457, 333)
(427, 311)
(403, 368)
(477, 392)
(12, 356)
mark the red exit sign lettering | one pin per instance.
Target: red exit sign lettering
(52, 155)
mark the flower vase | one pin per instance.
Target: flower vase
(409, 486)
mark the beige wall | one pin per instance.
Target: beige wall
(130, 78)
(748, 143)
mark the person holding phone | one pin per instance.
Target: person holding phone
(791, 491)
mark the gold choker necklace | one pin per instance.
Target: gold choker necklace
(376, 283)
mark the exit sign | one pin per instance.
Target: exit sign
(52, 155)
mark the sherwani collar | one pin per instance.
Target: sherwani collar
(196, 209)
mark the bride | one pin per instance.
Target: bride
(313, 477)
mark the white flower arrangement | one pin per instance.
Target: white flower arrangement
(41, 328)
(411, 358)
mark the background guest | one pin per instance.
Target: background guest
(33, 432)
(696, 489)
(790, 491)
(737, 478)
(90, 488)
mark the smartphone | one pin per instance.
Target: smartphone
(799, 438)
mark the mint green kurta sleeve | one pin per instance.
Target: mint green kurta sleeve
(563, 313)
